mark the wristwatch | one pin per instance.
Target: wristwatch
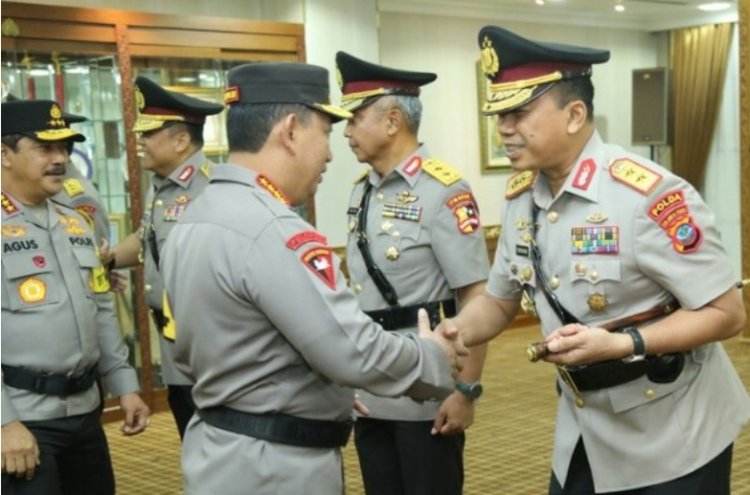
(472, 390)
(639, 348)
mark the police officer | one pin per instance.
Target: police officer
(78, 192)
(630, 280)
(415, 240)
(265, 322)
(170, 140)
(60, 332)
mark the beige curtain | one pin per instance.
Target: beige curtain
(699, 63)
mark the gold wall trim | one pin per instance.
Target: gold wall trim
(744, 28)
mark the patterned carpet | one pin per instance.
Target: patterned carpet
(508, 447)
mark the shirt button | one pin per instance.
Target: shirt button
(554, 282)
(147, 288)
(159, 202)
(379, 196)
(594, 275)
(357, 288)
(552, 216)
(650, 394)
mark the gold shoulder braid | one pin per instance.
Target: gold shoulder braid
(441, 171)
(518, 183)
(362, 176)
(635, 175)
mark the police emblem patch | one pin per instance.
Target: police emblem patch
(320, 261)
(465, 210)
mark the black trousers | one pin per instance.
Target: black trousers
(403, 458)
(74, 459)
(711, 478)
(181, 403)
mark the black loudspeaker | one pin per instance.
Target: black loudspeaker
(651, 107)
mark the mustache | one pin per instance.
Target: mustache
(55, 170)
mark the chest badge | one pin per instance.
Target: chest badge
(597, 217)
(32, 290)
(597, 302)
(392, 253)
(405, 197)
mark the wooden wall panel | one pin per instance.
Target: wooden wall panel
(188, 38)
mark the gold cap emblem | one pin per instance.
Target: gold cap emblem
(339, 78)
(490, 60)
(55, 112)
(140, 100)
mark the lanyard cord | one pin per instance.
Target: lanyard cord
(381, 282)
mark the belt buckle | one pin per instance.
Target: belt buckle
(565, 375)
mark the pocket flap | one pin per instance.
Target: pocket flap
(594, 270)
(20, 265)
(638, 392)
(86, 257)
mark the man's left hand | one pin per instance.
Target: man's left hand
(455, 415)
(136, 414)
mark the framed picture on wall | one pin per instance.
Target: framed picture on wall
(492, 153)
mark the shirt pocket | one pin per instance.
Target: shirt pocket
(399, 246)
(29, 282)
(89, 265)
(641, 391)
(595, 281)
(521, 271)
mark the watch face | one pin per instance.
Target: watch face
(471, 390)
(476, 390)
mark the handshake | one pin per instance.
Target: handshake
(446, 334)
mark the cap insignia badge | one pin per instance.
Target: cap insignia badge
(490, 60)
(339, 78)
(140, 100)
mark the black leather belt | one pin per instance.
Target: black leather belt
(604, 374)
(279, 428)
(399, 317)
(49, 383)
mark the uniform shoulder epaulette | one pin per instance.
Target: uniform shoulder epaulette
(206, 170)
(9, 207)
(441, 171)
(518, 183)
(634, 175)
(73, 187)
(362, 176)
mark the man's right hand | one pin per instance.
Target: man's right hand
(20, 451)
(447, 336)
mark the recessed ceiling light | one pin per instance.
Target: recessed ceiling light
(619, 8)
(540, 2)
(714, 6)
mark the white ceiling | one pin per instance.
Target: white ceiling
(649, 15)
